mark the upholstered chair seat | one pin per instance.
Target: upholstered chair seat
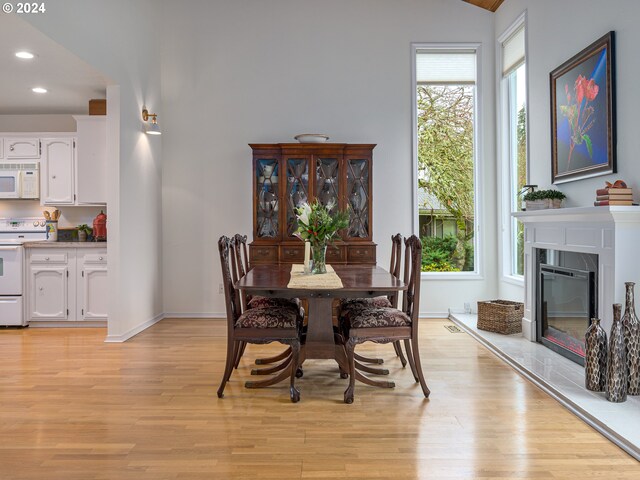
(258, 301)
(268, 317)
(368, 317)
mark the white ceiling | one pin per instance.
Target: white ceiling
(70, 82)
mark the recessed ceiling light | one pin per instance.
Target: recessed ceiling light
(25, 55)
(39, 90)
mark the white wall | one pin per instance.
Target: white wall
(120, 38)
(257, 71)
(37, 123)
(557, 30)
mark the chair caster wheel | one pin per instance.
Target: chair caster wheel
(348, 400)
(299, 373)
(344, 375)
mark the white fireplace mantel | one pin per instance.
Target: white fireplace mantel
(612, 233)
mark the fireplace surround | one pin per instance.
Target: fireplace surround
(610, 233)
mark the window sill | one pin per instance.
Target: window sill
(513, 280)
(451, 276)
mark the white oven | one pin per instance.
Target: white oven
(13, 233)
(11, 312)
(10, 270)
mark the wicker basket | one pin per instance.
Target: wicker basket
(500, 316)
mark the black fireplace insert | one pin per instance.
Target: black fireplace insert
(567, 297)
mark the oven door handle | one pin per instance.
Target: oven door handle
(9, 248)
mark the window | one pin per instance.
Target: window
(514, 139)
(445, 111)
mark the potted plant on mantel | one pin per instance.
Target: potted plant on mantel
(543, 199)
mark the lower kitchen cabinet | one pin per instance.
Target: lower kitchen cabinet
(67, 284)
(92, 286)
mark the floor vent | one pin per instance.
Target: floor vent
(453, 329)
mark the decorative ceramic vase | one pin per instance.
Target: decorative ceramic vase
(631, 326)
(319, 256)
(596, 357)
(617, 377)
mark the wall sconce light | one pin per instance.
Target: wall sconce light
(153, 128)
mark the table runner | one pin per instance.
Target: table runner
(299, 279)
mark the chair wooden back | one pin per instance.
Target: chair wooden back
(242, 256)
(412, 272)
(231, 296)
(396, 263)
(240, 264)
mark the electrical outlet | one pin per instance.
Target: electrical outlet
(467, 307)
(221, 289)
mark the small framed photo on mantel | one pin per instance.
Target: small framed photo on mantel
(583, 131)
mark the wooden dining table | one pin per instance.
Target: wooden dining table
(358, 281)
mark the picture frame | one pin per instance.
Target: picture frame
(583, 130)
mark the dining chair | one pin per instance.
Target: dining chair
(388, 324)
(241, 265)
(258, 325)
(381, 301)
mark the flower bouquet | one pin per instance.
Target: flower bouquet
(318, 226)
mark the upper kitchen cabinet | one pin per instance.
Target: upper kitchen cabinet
(21, 147)
(91, 160)
(57, 171)
(74, 169)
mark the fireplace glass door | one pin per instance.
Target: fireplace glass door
(567, 303)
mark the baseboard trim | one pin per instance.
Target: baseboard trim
(433, 315)
(82, 324)
(196, 315)
(134, 331)
(550, 390)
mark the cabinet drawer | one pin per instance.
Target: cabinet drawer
(361, 254)
(291, 253)
(95, 258)
(336, 254)
(263, 254)
(48, 257)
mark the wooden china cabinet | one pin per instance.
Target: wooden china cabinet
(287, 174)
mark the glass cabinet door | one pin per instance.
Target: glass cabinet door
(267, 198)
(297, 191)
(358, 197)
(327, 186)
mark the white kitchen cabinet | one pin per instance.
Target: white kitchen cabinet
(57, 180)
(91, 160)
(67, 284)
(92, 287)
(21, 147)
(48, 285)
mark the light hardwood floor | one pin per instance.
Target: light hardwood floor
(73, 407)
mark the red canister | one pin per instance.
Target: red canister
(100, 227)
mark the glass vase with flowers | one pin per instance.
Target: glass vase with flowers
(319, 225)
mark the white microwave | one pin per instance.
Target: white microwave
(19, 180)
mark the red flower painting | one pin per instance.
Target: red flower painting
(579, 112)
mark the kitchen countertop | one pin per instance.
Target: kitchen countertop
(45, 244)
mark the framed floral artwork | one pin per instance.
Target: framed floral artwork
(583, 114)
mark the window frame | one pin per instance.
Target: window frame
(478, 237)
(504, 149)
